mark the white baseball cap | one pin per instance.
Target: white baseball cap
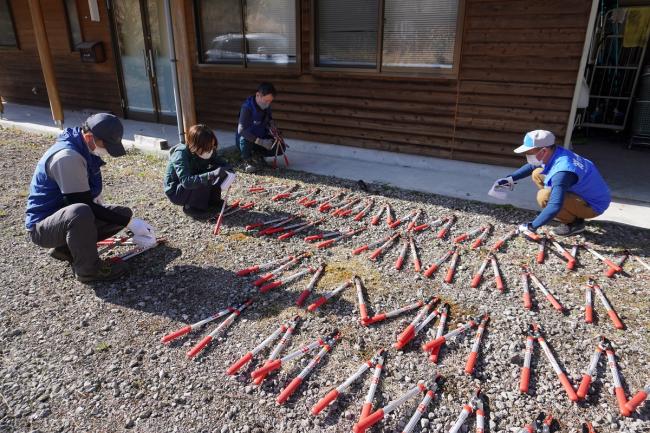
(536, 139)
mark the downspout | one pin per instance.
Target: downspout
(581, 73)
(173, 61)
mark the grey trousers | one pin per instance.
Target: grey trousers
(74, 227)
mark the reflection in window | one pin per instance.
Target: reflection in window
(7, 30)
(73, 23)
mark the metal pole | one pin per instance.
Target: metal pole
(173, 61)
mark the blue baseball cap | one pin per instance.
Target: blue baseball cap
(109, 129)
(536, 140)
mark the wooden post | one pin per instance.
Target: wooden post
(184, 63)
(47, 65)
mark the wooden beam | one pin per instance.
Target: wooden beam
(184, 63)
(45, 57)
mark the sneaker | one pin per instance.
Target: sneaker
(107, 271)
(198, 214)
(250, 168)
(578, 226)
(61, 253)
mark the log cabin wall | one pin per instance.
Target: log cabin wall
(81, 85)
(518, 66)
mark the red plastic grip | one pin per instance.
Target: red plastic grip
(420, 227)
(450, 275)
(554, 302)
(368, 421)
(286, 235)
(610, 272)
(498, 245)
(524, 380)
(267, 287)
(571, 264)
(174, 335)
(359, 250)
(263, 279)
(430, 270)
(394, 224)
(376, 318)
(374, 221)
(309, 203)
(636, 401)
(589, 314)
(266, 368)
(199, 347)
(320, 301)
(442, 233)
(253, 226)
(326, 243)
(533, 236)
(234, 368)
(247, 271)
(471, 362)
(613, 265)
(460, 238)
(615, 319)
(364, 312)
(417, 265)
(313, 238)
(571, 393)
(366, 409)
(476, 281)
(289, 390)
(302, 298)
(272, 230)
(359, 216)
(406, 336)
(279, 196)
(375, 254)
(399, 262)
(540, 256)
(499, 282)
(583, 389)
(432, 344)
(527, 302)
(324, 207)
(476, 243)
(622, 402)
(435, 353)
(324, 402)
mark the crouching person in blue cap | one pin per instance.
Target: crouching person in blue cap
(65, 211)
(196, 176)
(571, 189)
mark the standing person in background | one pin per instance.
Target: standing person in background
(65, 211)
(196, 176)
(571, 189)
(253, 136)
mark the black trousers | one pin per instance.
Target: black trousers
(202, 198)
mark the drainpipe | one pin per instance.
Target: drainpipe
(581, 73)
(173, 61)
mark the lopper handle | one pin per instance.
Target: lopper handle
(613, 265)
(399, 262)
(174, 335)
(430, 270)
(498, 245)
(417, 265)
(460, 238)
(199, 347)
(286, 235)
(568, 387)
(281, 196)
(324, 207)
(266, 368)
(435, 353)
(533, 236)
(253, 226)
(270, 286)
(499, 282)
(406, 336)
(583, 389)
(364, 313)
(359, 216)
(234, 368)
(394, 224)
(289, 390)
(540, 256)
(471, 362)
(375, 254)
(272, 230)
(247, 271)
(320, 301)
(610, 272)
(263, 279)
(366, 409)
(359, 250)
(636, 401)
(615, 319)
(432, 344)
(309, 203)
(420, 227)
(524, 380)
(303, 297)
(554, 302)
(369, 421)
(376, 318)
(442, 233)
(324, 402)
(589, 314)
(326, 243)
(571, 264)
(475, 281)
(527, 302)
(313, 238)
(622, 402)
(476, 243)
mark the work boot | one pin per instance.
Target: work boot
(61, 253)
(107, 271)
(198, 214)
(250, 167)
(578, 226)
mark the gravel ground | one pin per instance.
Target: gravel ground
(89, 358)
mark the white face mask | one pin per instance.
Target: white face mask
(99, 151)
(533, 160)
(206, 155)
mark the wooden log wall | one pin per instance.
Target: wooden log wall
(81, 85)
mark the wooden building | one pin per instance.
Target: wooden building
(458, 79)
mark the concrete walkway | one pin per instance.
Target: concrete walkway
(438, 176)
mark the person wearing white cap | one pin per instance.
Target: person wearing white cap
(65, 211)
(571, 189)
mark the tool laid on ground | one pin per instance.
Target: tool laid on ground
(309, 196)
(592, 286)
(293, 386)
(541, 251)
(376, 360)
(564, 380)
(363, 310)
(373, 418)
(414, 328)
(310, 287)
(446, 226)
(389, 214)
(237, 365)
(641, 262)
(258, 225)
(638, 398)
(382, 248)
(217, 225)
(529, 234)
(372, 245)
(435, 353)
(409, 245)
(449, 277)
(136, 251)
(323, 201)
(620, 262)
(473, 355)
(436, 265)
(366, 407)
(282, 344)
(265, 189)
(409, 217)
(621, 398)
(189, 328)
(332, 204)
(422, 407)
(239, 208)
(588, 375)
(476, 280)
(474, 405)
(116, 241)
(346, 208)
(481, 239)
(290, 232)
(432, 225)
(279, 226)
(613, 268)
(394, 313)
(348, 234)
(440, 341)
(524, 378)
(264, 266)
(287, 193)
(469, 235)
(287, 280)
(377, 216)
(223, 326)
(361, 215)
(548, 295)
(501, 242)
(323, 299)
(571, 260)
(322, 235)
(279, 270)
(541, 425)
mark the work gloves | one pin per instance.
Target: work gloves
(144, 234)
(525, 227)
(217, 175)
(505, 183)
(266, 143)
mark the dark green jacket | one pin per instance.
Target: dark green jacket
(189, 170)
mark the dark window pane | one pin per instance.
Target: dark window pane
(7, 31)
(419, 33)
(73, 20)
(271, 31)
(221, 31)
(347, 33)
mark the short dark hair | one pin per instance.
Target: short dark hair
(266, 89)
(200, 139)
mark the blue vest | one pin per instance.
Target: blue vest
(261, 119)
(591, 186)
(45, 197)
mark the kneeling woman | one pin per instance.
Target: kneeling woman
(196, 176)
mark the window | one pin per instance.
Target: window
(76, 37)
(7, 29)
(247, 32)
(415, 35)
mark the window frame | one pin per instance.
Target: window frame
(246, 67)
(73, 48)
(15, 46)
(389, 71)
